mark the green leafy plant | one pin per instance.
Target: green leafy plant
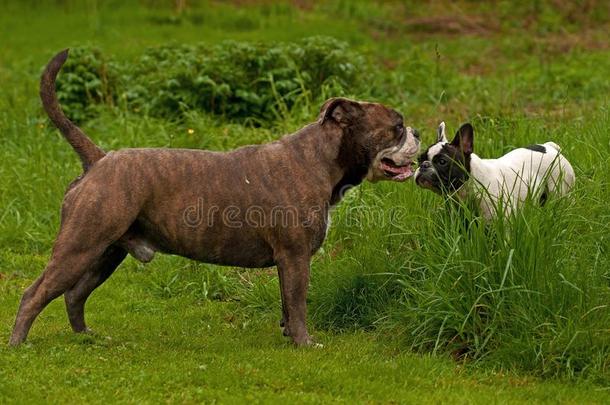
(87, 80)
(243, 81)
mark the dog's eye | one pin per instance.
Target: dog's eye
(399, 129)
(441, 161)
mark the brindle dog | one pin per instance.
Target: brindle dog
(256, 206)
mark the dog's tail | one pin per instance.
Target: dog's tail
(88, 152)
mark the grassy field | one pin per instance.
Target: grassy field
(410, 306)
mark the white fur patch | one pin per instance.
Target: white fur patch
(435, 149)
(520, 173)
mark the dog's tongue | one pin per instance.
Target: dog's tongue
(400, 172)
(396, 169)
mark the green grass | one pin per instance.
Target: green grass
(155, 348)
(152, 347)
(409, 304)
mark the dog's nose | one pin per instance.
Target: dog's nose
(425, 165)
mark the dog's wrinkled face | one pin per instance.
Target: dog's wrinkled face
(445, 166)
(375, 138)
(396, 162)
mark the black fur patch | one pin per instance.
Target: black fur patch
(456, 170)
(536, 148)
(451, 169)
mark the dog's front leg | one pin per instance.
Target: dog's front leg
(294, 281)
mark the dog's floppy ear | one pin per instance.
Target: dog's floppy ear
(341, 110)
(441, 135)
(464, 138)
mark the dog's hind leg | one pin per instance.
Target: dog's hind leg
(69, 262)
(76, 296)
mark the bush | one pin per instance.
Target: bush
(86, 81)
(238, 80)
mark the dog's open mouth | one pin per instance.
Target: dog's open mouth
(426, 183)
(396, 172)
(423, 182)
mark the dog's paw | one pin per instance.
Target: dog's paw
(306, 341)
(85, 331)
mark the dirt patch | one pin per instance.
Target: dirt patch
(303, 4)
(541, 46)
(389, 64)
(452, 25)
(588, 39)
(423, 27)
(300, 4)
(486, 63)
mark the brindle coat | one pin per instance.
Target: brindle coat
(256, 206)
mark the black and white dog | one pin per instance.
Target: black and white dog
(452, 168)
